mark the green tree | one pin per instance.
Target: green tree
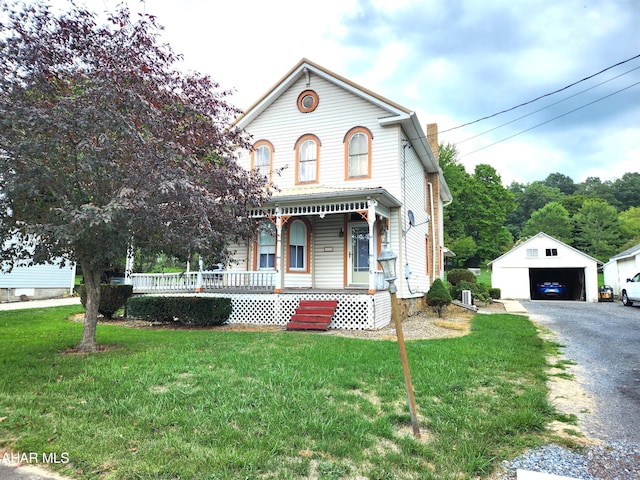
(562, 182)
(552, 219)
(489, 207)
(103, 141)
(593, 187)
(598, 232)
(573, 203)
(478, 212)
(438, 296)
(626, 190)
(459, 182)
(630, 226)
(529, 198)
(465, 248)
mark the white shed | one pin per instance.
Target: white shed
(620, 267)
(540, 259)
(37, 282)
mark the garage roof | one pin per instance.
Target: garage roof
(538, 236)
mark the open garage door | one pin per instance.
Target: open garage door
(557, 283)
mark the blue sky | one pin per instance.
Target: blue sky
(452, 62)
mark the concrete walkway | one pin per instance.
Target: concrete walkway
(512, 306)
(54, 302)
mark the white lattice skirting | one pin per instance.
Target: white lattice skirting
(354, 311)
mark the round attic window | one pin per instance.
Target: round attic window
(307, 101)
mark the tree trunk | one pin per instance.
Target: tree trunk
(92, 287)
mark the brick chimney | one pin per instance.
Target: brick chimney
(432, 138)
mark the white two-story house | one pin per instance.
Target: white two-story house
(351, 172)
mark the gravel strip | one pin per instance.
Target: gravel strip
(613, 461)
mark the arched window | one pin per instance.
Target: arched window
(266, 246)
(298, 241)
(262, 158)
(358, 153)
(307, 153)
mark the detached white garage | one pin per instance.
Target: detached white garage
(524, 271)
(620, 267)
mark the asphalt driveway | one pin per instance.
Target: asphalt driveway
(604, 339)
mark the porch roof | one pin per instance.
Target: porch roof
(310, 195)
(321, 200)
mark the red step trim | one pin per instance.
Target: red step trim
(299, 317)
(319, 303)
(313, 315)
(323, 312)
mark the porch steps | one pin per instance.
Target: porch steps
(313, 315)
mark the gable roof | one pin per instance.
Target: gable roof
(548, 237)
(629, 252)
(397, 114)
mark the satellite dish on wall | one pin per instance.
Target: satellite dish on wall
(412, 221)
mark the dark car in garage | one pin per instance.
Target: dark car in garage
(551, 289)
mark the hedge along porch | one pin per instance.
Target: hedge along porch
(354, 311)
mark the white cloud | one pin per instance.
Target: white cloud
(452, 62)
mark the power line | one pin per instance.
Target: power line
(541, 96)
(550, 120)
(548, 106)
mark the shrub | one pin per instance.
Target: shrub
(479, 291)
(112, 298)
(186, 310)
(495, 293)
(438, 296)
(458, 275)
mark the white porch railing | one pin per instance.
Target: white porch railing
(206, 280)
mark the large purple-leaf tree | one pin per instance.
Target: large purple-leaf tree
(104, 142)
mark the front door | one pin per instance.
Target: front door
(358, 254)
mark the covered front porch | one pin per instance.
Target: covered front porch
(313, 244)
(321, 238)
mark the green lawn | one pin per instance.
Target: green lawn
(215, 404)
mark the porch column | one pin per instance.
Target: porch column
(128, 268)
(371, 220)
(199, 275)
(277, 288)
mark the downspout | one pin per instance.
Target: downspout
(433, 232)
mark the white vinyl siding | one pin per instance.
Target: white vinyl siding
(338, 112)
(38, 276)
(415, 200)
(329, 253)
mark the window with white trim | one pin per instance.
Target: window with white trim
(298, 246)
(307, 152)
(267, 246)
(532, 253)
(262, 158)
(358, 153)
